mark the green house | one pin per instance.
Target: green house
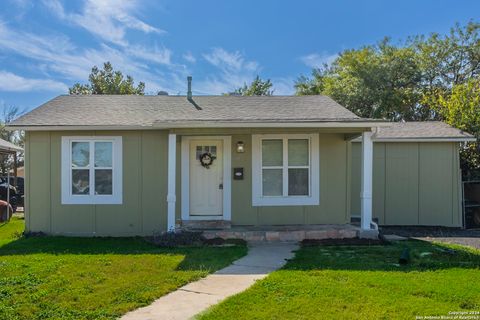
(117, 165)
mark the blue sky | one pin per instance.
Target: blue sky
(47, 45)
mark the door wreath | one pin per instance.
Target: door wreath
(206, 160)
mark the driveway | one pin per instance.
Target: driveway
(469, 238)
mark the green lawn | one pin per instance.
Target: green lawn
(327, 282)
(103, 278)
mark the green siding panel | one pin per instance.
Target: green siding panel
(436, 184)
(39, 182)
(143, 211)
(154, 181)
(333, 182)
(401, 184)
(379, 187)
(413, 183)
(355, 180)
(144, 208)
(243, 213)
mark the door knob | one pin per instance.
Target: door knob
(220, 186)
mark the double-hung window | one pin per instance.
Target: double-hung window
(91, 170)
(285, 169)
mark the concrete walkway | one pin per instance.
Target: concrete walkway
(195, 297)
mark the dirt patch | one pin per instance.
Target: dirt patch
(464, 241)
(32, 234)
(465, 237)
(224, 242)
(343, 242)
(419, 231)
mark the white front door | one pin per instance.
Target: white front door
(206, 182)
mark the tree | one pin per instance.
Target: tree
(447, 61)
(431, 77)
(306, 86)
(399, 82)
(374, 81)
(108, 81)
(451, 84)
(258, 87)
(450, 59)
(461, 109)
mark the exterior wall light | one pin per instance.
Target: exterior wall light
(240, 147)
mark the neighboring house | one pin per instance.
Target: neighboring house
(133, 165)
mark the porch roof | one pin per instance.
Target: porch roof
(8, 147)
(420, 131)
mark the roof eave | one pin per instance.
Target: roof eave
(420, 139)
(10, 150)
(208, 124)
(272, 124)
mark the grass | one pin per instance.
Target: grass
(359, 282)
(93, 278)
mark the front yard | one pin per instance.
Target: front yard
(82, 278)
(363, 282)
(85, 278)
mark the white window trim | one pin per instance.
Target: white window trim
(314, 178)
(117, 172)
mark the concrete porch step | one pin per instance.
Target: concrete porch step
(205, 224)
(285, 233)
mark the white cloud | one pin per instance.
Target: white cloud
(283, 86)
(56, 54)
(13, 82)
(234, 71)
(316, 60)
(22, 4)
(225, 60)
(189, 57)
(158, 55)
(107, 19)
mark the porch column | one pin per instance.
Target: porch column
(171, 198)
(366, 186)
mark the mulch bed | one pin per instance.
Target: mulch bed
(190, 238)
(434, 232)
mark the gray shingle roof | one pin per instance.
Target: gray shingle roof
(152, 111)
(131, 110)
(420, 130)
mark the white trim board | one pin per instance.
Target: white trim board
(117, 172)
(359, 140)
(227, 176)
(172, 174)
(314, 177)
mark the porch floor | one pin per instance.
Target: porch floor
(284, 233)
